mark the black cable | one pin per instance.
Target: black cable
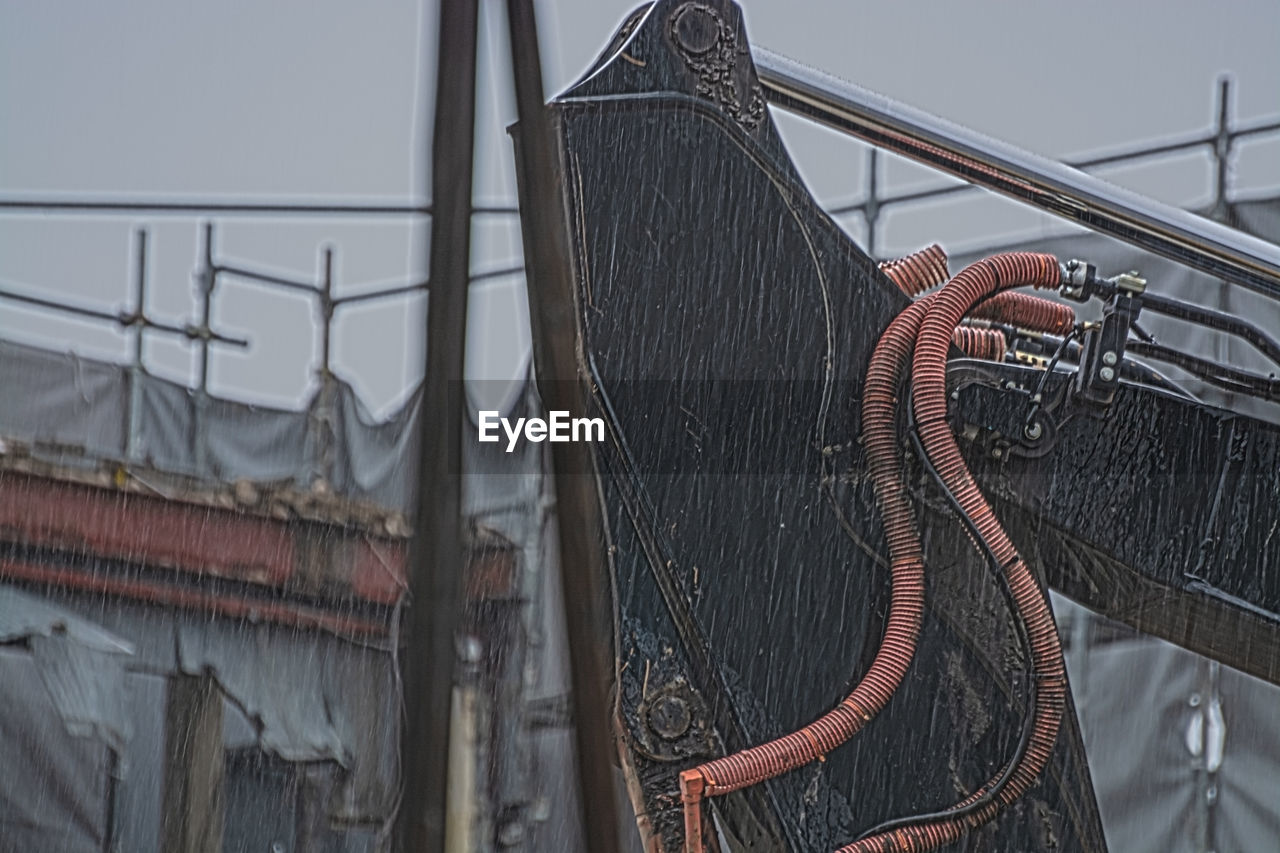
(1044, 377)
(1145, 336)
(1028, 724)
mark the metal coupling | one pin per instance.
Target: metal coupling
(1076, 276)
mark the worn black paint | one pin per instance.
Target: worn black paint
(727, 325)
(1155, 510)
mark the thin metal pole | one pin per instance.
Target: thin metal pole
(871, 207)
(139, 294)
(326, 404)
(265, 278)
(136, 367)
(1222, 150)
(578, 516)
(207, 279)
(156, 207)
(436, 552)
(326, 310)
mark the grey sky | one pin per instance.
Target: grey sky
(328, 100)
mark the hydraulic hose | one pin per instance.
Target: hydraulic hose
(917, 272)
(927, 268)
(929, 402)
(1027, 312)
(932, 322)
(989, 344)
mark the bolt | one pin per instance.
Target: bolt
(1033, 430)
(696, 28)
(669, 717)
(1106, 374)
(1109, 358)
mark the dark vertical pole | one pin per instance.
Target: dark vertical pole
(1222, 150)
(871, 210)
(208, 277)
(436, 554)
(579, 521)
(206, 283)
(324, 418)
(136, 368)
(139, 294)
(326, 311)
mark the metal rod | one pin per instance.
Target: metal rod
(158, 207)
(1069, 193)
(326, 310)
(64, 307)
(436, 556)
(1222, 151)
(871, 207)
(579, 523)
(1125, 156)
(126, 320)
(139, 294)
(323, 414)
(1218, 320)
(1221, 375)
(206, 278)
(136, 368)
(265, 278)
(421, 286)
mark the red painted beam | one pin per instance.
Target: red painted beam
(142, 529)
(196, 541)
(286, 613)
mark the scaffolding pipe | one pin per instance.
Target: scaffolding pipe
(133, 445)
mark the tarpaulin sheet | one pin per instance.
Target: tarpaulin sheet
(1182, 761)
(80, 665)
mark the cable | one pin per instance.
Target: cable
(1063, 345)
(1024, 739)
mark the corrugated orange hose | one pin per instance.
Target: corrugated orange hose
(1027, 312)
(917, 272)
(980, 343)
(920, 335)
(929, 400)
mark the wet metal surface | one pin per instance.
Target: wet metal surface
(728, 323)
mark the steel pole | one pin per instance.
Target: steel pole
(1061, 190)
(136, 366)
(436, 552)
(555, 336)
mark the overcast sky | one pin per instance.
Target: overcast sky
(326, 100)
